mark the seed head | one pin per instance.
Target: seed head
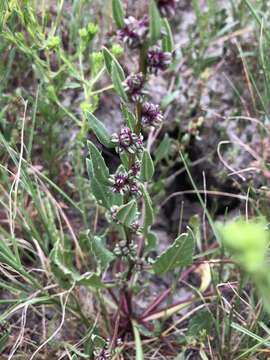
(151, 115)
(134, 31)
(158, 60)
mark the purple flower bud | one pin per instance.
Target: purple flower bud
(128, 141)
(113, 213)
(151, 115)
(135, 189)
(119, 183)
(104, 354)
(167, 8)
(134, 86)
(135, 169)
(135, 228)
(134, 31)
(158, 60)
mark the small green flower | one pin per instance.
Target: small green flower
(96, 60)
(92, 29)
(117, 50)
(53, 42)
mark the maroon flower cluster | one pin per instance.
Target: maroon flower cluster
(133, 86)
(103, 354)
(158, 60)
(119, 183)
(167, 8)
(151, 115)
(128, 141)
(134, 31)
(122, 183)
(135, 169)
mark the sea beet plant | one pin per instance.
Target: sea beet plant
(124, 195)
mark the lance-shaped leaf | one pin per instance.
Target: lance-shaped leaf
(66, 274)
(125, 160)
(117, 82)
(110, 59)
(99, 167)
(101, 192)
(99, 130)
(127, 213)
(147, 168)
(155, 22)
(151, 240)
(102, 255)
(90, 279)
(4, 337)
(178, 254)
(149, 212)
(118, 13)
(129, 117)
(163, 149)
(167, 39)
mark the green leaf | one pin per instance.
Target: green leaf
(100, 191)
(163, 149)
(60, 266)
(89, 279)
(99, 130)
(129, 117)
(155, 22)
(167, 39)
(127, 213)
(98, 341)
(124, 156)
(178, 254)
(195, 225)
(200, 324)
(147, 168)
(151, 240)
(169, 98)
(66, 273)
(99, 166)
(117, 83)
(102, 255)
(118, 13)
(4, 336)
(138, 342)
(110, 59)
(149, 212)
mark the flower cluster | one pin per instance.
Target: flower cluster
(103, 355)
(133, 86)
(167, 8)
(119, 183)
(158, 60)
(151, 115)
(123, 183)
(134, 31)
(123, 249)
(135, 169)
(128, 141)
(135, 188)
(135, 228)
